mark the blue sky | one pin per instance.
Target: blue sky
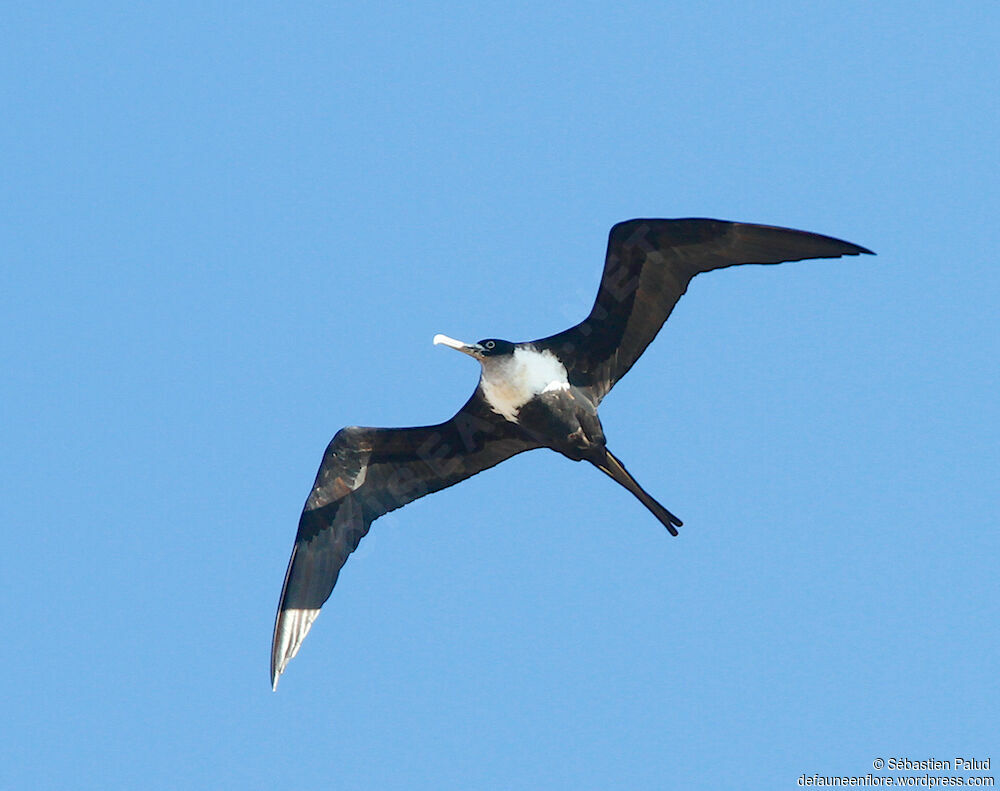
(227, 233)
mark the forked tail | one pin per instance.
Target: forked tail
(613, 468)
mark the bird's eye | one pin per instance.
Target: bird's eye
(489, 344)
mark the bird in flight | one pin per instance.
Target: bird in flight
(537, 394)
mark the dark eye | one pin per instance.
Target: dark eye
(489, 344)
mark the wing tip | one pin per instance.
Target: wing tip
(290, 630)
(277, 666)
(835, 247)
(709, 224)
(847, 248)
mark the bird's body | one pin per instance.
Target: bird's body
(538, 394)
(511, 380)
(531, 389)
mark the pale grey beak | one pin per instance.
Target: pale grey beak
(471, 349)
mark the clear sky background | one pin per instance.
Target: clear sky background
(227, 232)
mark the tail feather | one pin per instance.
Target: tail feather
(614, 469)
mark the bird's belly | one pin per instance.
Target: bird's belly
(564, 421)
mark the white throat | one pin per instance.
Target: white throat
(509, 382)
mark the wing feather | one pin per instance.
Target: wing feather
(648, 267)
(365, 473)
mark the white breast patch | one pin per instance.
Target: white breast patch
(509, 382)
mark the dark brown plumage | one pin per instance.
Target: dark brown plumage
(543, 393)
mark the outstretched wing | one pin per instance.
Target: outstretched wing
(365, 473)
(648, 267)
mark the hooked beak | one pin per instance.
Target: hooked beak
(471, 349)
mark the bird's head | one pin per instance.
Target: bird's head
(488, 347)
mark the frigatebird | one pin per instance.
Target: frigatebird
(538, 394)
